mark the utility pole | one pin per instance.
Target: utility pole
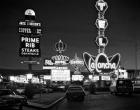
(136, 57)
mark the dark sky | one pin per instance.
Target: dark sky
(73, 21)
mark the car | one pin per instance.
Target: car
(75, 93)
(61, 88)
(9, 99)
(46, 90)
(121, 86)
(20, 91)
(136, 86)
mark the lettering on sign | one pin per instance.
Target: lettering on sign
(29, 46)
(60, 59)
(27, 30)
(77, 62)
(104, 65)
(28, 51)
(101, 63)
(30, 32)
(27, 23)
(48, 62)
(30, 39)
(101, 6)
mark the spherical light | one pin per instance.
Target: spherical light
(30, 12)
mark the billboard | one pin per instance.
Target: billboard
(60, 75)
(30, 33)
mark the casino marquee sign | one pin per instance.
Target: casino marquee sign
(101, 63)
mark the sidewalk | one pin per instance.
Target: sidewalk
(46, 100)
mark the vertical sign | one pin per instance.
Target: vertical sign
(30, 32)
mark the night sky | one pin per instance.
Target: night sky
(72, 21)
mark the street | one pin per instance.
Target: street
(24, 108)
(102, 101)
(28, 108)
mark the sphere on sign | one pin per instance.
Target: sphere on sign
(30, 12)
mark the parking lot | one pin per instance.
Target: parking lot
(102, 101)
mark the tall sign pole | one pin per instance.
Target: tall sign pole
(101, 65)
(30, 32)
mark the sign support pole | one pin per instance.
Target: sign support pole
(30, 65)
(30, 32)
(101, 23)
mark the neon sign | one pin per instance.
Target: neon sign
(101, 6)
(101, 63)
(60, 59)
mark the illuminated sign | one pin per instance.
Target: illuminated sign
(47, 77)
(122, 73)
(105, 78)
(60, 75)
(101, 6)
(29, 46)
(90, 76)
(27, 23)
(77, 64)
(77, 77)
(101, 23)
(77, 61)
(29, 30)
(48, 62)
(95, 78)
(30, 12)
(60, 60)
(101, 41)
(28, 27)
(55, 67)
(101, 63)
(60, 47)
(20, 79)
